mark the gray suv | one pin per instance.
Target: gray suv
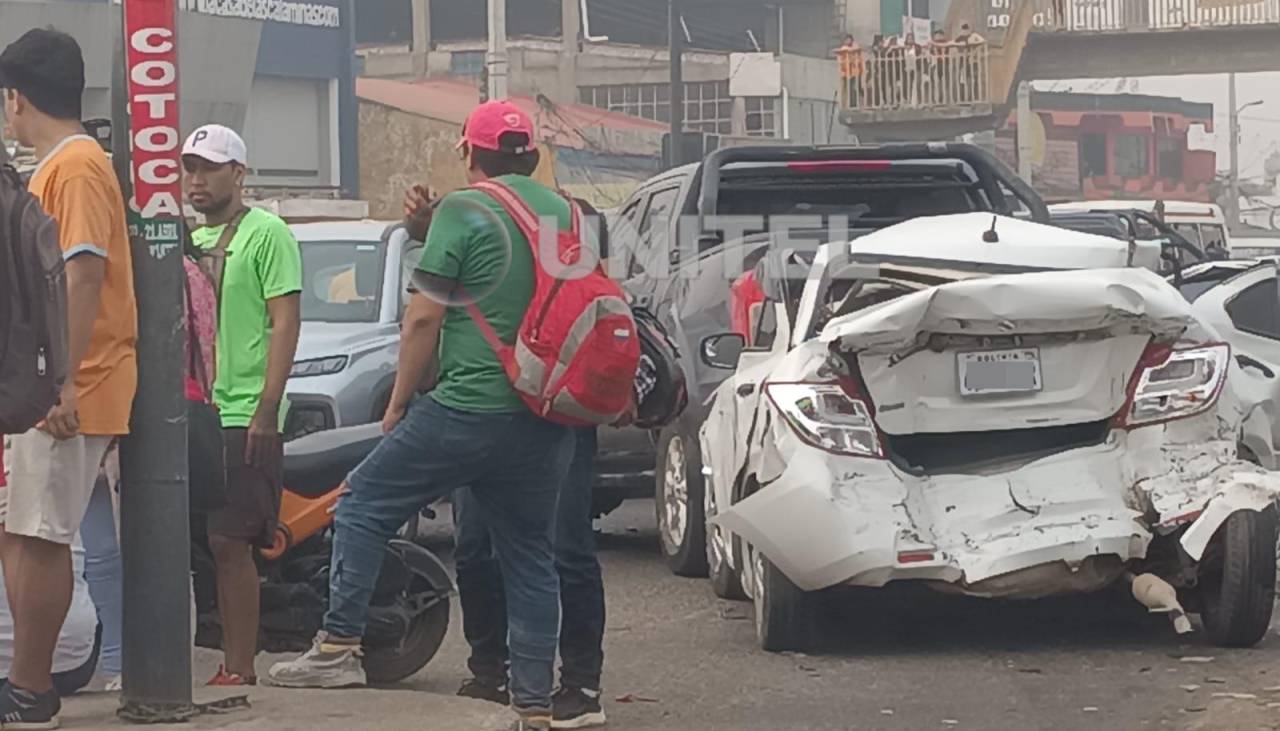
(353, 280)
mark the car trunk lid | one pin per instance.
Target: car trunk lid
(1015, 352)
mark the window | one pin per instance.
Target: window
(624, 234)
(1093, 155)
(708, 106)
(1189, 232)
(342, 280)
(1133, 157)
(655, 227)
(290, 125)
(1213, 235)
(762, 116)
(765, 315)
(466, 63)
(1256, 310)
(1169, 157)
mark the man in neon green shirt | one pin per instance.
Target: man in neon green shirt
(257, 269)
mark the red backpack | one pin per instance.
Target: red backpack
(576, 351)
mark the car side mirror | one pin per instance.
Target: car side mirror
(723, 350)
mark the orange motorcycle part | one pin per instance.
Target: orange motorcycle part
(300, 518)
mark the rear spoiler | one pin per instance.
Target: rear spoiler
(992, 173)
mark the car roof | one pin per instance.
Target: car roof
(961, 238)
(366, 230)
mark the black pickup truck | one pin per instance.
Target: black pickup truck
(675, 258)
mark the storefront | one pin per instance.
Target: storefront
(282, 73)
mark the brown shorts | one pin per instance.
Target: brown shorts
(253, 495)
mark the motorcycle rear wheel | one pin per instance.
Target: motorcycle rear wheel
(388, 664)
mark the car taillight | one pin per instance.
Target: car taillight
(1174, 384)
(828, 416)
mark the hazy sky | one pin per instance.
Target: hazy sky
(1259, 126)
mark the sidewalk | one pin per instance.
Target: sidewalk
(280, 709)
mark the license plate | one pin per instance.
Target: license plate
(986, 372)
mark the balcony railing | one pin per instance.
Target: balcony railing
(926, 77)
(1093, 16)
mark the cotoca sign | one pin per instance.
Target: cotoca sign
(152, 59)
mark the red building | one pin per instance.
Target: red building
(1100, 146)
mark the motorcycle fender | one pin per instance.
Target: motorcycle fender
(424, 563)
(1245, 491)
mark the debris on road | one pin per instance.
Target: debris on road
(1216, 681)
(1197, 659)
(1237, 696)
(1190, 687)
(1090, 709)
(633, 698)
(886, 711)
(1159, 597)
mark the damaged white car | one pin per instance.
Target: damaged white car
(994, 408)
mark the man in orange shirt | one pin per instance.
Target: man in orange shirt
(53, 467)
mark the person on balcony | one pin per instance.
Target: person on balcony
(912, 61)
(893, 72)
(939, 55)
(849, 56)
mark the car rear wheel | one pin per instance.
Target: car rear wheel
(786, 617)
(679, 501)
(1238, 579)
(726, 582)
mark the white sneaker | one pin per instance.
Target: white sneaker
(325, 665)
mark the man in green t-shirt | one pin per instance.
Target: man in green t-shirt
(256, 268)
(472, 430)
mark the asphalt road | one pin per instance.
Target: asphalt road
(897, 660)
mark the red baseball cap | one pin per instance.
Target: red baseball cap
(487, 124)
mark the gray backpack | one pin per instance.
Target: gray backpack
(33, 308)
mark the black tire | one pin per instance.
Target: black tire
(1238, 584)
(391, 664)
(683, 546)
(726, 581)
(786, 617)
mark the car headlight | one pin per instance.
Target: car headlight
(828, 416)
(318, 366)
(1174, 384)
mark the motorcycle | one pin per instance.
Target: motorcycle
(409, 614)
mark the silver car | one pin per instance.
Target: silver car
(353, 280)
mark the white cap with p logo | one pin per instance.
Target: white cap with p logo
(217, 144)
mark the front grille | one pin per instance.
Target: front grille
(968, 451)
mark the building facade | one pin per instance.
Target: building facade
(761, 69)
(1101, 146)
(282, 74)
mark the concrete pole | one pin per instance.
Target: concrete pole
(421, 35)
(1025, 123)
(570, 35)
(1233, 185)
(497, 60)
(676, 32)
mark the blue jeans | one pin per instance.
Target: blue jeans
(104, 572)
(514, 464)
(582, 608)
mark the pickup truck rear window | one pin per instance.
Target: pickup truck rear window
(874, 195)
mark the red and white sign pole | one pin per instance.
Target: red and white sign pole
(155, 534)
